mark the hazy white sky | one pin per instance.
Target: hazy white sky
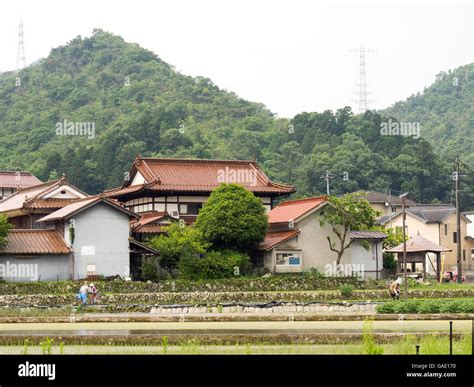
(292, 55)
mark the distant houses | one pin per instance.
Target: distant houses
(386, 203)
(11, 181)
(436, 223)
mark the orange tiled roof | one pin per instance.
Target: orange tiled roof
(291, 210)
(50, 203)
(274, 238)
(198, 175)
(35, 242)
(150, 229)
(11, 179)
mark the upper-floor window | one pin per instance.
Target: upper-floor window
(190, 208)
(455, 237)
(445, 229)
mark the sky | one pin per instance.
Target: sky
(292, 55)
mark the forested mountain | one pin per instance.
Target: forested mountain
(445, 111)
(140, 104)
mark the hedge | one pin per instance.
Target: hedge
(427, 306)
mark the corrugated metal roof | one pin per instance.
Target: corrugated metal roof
(35, 242)
(368, 235)
(11, 179)
(291, 210)
(274, 238)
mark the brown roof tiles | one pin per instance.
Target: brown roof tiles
(198, 175)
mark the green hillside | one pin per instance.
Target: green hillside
(445, 111)
(139, 104)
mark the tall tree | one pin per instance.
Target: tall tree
(233, 218)
(344, 214)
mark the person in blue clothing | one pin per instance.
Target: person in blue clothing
(82, 295)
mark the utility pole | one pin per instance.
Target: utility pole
(390, 206)
(328, 176)
(457, 177)
(405, 292)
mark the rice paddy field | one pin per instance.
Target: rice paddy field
(250, 337)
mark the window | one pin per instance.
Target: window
(190, 208)
(472, 253)
(445, 229)
(455, 237)
(464, 254)
(288, 258)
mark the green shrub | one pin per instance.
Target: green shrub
(428, 306)
(178, 242)
(215, 264)
(346, 290)
(313, 273)
(150, 271)
(389, 261)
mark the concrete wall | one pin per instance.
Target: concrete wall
(42, 267)
(446, 239)
(101, 239)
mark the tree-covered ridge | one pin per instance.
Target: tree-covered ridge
(445, 111)
(140, 104)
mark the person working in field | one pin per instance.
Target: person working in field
(93, 292)
(82, 295)
(394, 289)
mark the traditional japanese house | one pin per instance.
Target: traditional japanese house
(181, 186)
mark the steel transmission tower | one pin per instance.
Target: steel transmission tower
(20, 57)
(362, 92)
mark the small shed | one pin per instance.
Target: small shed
(417, 252)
